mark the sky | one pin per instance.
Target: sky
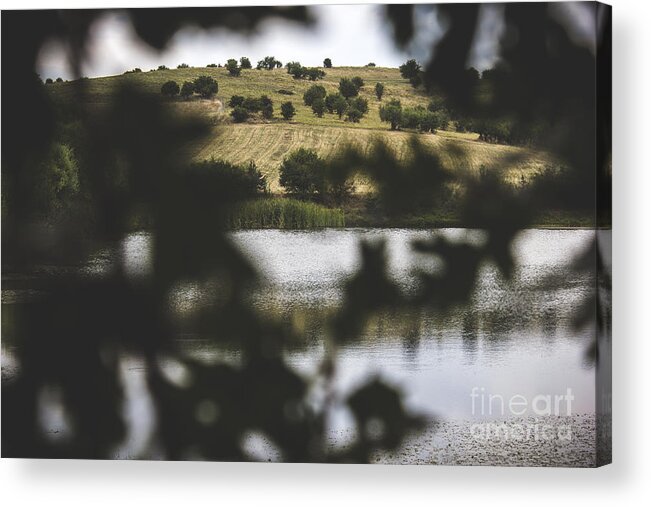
(350, 35)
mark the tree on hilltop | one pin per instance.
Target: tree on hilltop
(233, 69)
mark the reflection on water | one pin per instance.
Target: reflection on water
(514, 338)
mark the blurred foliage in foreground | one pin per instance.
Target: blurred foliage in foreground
(72, 334)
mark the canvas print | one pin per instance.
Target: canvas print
(318, 234)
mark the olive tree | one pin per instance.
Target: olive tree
(233, 69)
(318, 106)
(312, 93)
(347, 87)
(392, 113)
(287, 110)
(302, 173)
(245, 63)
(206, 86)
(187, 90)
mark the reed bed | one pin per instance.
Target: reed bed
(278, 213)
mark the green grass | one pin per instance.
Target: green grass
(268, 142)
(278, 213)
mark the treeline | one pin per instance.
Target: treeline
(204, 86)
(348, 105)
(504, 130)
(490, 129)
(303, 175)
(428, 119)
(245, 107)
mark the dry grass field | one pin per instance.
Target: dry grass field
(268, 142)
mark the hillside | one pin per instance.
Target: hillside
(268, 142)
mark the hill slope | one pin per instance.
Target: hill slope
(268, 142)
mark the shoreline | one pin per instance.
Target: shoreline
(460, 443)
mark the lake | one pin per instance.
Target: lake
(515, 338)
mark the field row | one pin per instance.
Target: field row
(268, 143)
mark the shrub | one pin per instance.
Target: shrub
(410, 69)
(327, 63)
(392, 113)
(358, 82)
(379, 90)
(252, 104)
(236, 100)
(183, 66)
(497, 131)
(205, 86)
(340, 105)
(238, 182)
(59, 183)
(233, 69)
(162, 67)
(133, 71)
(435, 104)
(285, 92)
(353, 115)
(430, 122)
(297, 71)
(49, 81)
(464, 124)
(269, 63)
(302, 173)
(267, 107)
(314, 92)
(318, 106)
(331, 101)
(292, 67)
(287, 110)
(239, 114)
(359, 103)
(187, 89)
(59, 80)
(170, 89)
(314, 74)
(443, 118)
(300, 72)
(245, 63)
(411, 117)
(370, 64)
(347, 88)
(211, 65)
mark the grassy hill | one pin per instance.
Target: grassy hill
(268, 142)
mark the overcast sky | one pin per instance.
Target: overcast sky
(348, 34)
